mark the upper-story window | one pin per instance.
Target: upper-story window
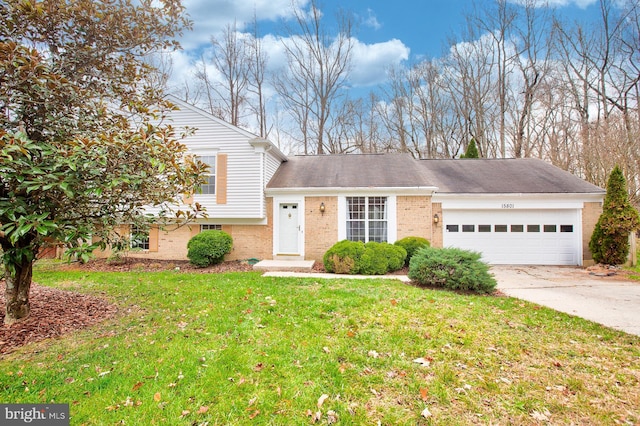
(367, 219)
(210, 186)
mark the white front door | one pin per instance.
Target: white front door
(289, 229)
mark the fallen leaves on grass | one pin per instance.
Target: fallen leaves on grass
(322, 399)
(426, 413)
(423, 361)
(424, 394)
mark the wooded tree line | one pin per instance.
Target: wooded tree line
(520, 81)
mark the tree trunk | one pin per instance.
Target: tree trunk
(17, 293)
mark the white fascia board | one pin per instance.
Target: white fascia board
(229, 221)
(417, 190)
(264, 145)
(516, 201)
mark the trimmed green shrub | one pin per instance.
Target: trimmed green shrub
(343, 257)
(451, 268)
(395, 256)
(209, 248)
(373, 260)
(411, 245)
(355, 257)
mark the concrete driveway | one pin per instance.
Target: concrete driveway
(609, 300)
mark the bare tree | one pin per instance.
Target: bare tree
(231, 59)
(257, 62)
(318, 66)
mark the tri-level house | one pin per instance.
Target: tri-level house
(513, 211)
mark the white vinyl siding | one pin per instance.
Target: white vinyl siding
(245, 166)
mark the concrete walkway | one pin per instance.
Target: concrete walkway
(610, 301)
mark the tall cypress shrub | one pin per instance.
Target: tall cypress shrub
(609, 243)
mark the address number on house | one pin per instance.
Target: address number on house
(508, 206)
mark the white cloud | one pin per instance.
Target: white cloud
(371, 20)
(371, 61)
(211, 16)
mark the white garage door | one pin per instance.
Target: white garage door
(517, 237)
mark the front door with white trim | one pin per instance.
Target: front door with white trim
(289, 232)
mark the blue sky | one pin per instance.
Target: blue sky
(388, 32)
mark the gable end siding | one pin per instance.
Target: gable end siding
(244, 192)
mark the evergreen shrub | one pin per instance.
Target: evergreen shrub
(609, 242)
(209, 248)
(411, 245)
(355, 257)
(451, 268)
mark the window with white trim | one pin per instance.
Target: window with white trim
(367, 219)
(210, 227)
(139, 238)
(209, 187)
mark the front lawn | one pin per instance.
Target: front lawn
(238, 348)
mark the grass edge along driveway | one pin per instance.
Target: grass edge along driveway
(239, 348)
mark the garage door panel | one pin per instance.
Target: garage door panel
(531, 237)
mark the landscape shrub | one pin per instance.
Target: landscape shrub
(451, 268)
(411, 245)
(343, 257)
(355, 257)
(609, 242)
(209, 248)
(373, 260)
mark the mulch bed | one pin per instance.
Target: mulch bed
(54, 312)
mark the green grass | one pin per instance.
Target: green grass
(263, 351)
(635, 270)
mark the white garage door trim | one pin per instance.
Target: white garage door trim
(517, 237)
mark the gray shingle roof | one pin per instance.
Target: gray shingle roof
(478, 176)
(348, 171)
(503, 176)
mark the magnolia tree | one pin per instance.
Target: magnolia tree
(82, 144)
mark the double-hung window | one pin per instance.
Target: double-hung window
(367, 219)
(209, 187)
(139, 238)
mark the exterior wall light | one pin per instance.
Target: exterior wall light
(436, 218)
(322, 208)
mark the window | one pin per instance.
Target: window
(566, 228)
(139, 238)
(500, 228)
(452, 228)
(208, 227)
(533, 228)
(210, 186)
(367, 219)
(484, 228)
(468, 228)
(549, 228)
(517, 228)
